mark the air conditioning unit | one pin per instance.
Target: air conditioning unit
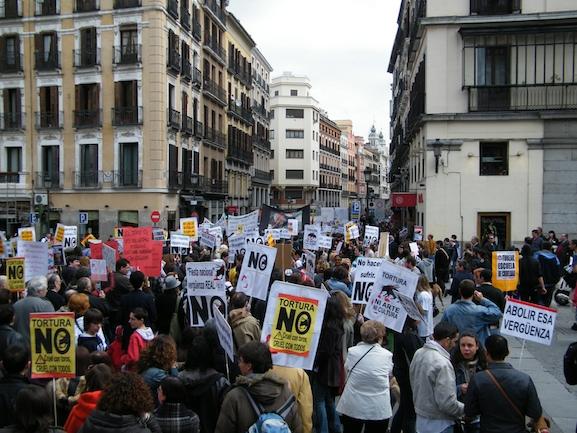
(41, 199)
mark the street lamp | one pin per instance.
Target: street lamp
(367, 172)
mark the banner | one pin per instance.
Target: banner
(293, 323)
(528, 321)
(418, 233)
(309, 262)
(202, 279)
(179, 241)
(256, 269)
(27, 234)
(505, 270)
(293, 226)
(276, 218)
(222, 223)
(224, 332)
(109, 256)
(327, 215)
(236, 246)
(98, 270)
(207, 239)
(52, 342)
(35, 256)
(311, 237)
(189, 227)
(364, 271)
(15, 273)
(414, 247)
(383, 250)
(58, 256)
(242, 224)
(201, 308)
(371, 236)
(325, 242)
(141, 251)
(354, 231)
(70, 237)
(383, 304)
(157, 234)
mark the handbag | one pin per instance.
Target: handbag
(539, 425)
(355, 364)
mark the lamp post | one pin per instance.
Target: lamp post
(367, 172)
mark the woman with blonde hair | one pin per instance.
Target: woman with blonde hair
(424, 301)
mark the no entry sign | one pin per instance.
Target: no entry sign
(155, 216)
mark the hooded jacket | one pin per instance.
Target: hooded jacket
(138, 341)
(82, 410)
(237, 414)
(103, 422)
(244, 327)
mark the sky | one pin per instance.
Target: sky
(343, 46)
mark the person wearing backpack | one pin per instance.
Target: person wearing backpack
(551, 269)
(260, 398)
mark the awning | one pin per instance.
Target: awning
(402, 199)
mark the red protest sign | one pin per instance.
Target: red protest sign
(142, 252)
(96, 250)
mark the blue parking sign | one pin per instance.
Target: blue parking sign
(83, 217)
(33, 218)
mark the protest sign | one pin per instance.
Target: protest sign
(354, 232)
(202, 280)
(70, 237)
(224, 332)
(98, 270)
(293, 227)
(59, 233)
(505, 270)
(189, 227)
(325, 242)
(179, 241)
(86, 239)
(207, 239)
(311, 237)
(418, 233)
(283, 259)
(243, 223)
(285, 234)
(118, 232)
(142, 252)
(328, 215)
(95, 249)
(15, 274)
(409, 306)
(3, 248)
(341, 216)
(27, 234)
(236, 246)
(383, 250)
(293, 323)
(364, 271)
(309, 264)
(383, 304)
(157, 234)
(217, 233)
(201, 308)
(528, 321)
(109, 256)
(52, 342)
(35, 256)
(414, 249)
(58, 256)
(254, 277)
(260, 240)
(222, 223)
(371, 235)
(339, 247)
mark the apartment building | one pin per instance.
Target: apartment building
(329, 192)
(377, 143)
(294, 134)
(484, 117)
(344, 152)
(261, 179)
(350, 189)
(239, 152)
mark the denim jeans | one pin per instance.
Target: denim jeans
(325, 415)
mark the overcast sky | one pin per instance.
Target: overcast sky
(343, 46)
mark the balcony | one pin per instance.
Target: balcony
(214, 137)
(196, 29)
(187, 125)
(215, 10)
(196, 77)
(260, 110)
(174, 62)
(11, 9)
(326, 185)
(523, 98)
(47, 61)
(330, 168)
(49, 180)
(241, 113)
(49, 119)
(495, 7)
(127, 55)
(240, 155)
(86, 5)
(329, 150)
(87, 119)
(263, 176)
(127, 179)
(12, 121)
(214, 186)
(261, 142)
(125, 4)
(214, 47)
(9, 177)
(213, 90)
(87, 179)
(185, 16)
(174, 119)
(127, 116)
(186, 69)
(198, 129)
(173, 8)
(10, 65)
(243, 75)
(47, 7)
(87, 58)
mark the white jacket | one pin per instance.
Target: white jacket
(366, 395)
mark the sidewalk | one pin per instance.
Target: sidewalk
(558, 403)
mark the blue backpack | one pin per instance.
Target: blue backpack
(270, 422)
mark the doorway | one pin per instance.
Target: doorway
(498, 223)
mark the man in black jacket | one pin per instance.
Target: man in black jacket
(16, 364)
(483, 280)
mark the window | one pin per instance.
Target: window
(271, 174)
(126, 103)
(272, 154)
(295, 174)
(494, 159)
(491, 66)
(295, 113)
(271, 134)
(276, 93)
(48, 116)
(89, 165)
(128, 45)
(293, 194)
(88, 48)
(87, 106)
(294, 92)
(12, 109)
(295, 133)
(128, 218)
(13, 159)
(128, 164)
(271, 114)
(295, 154)
(10, 52)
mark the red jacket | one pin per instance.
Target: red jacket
(82, 410)
(138, 341)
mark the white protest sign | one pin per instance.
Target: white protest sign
(383, 304)
(224, 332)
(260, 240)
(383, 250)
(201, 279)
(256, 269)
(293, 227)
(310, 262)
(179, 241)
(414, 249)
(409, 306)
(293, 323)
(207, 239)
(236, 246)
(328, 214)
(311, 237)
(364, 271)
(528, 321)
(217, 233)
(70, 237)
(339, 247)
(354, 232)
(35, 258)
(201, 308)
(244, 223)
(157, 234)
(222, 223)
(371, 235)
(109, 256)
(325, 242)
(285, 234)
(98, 269)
